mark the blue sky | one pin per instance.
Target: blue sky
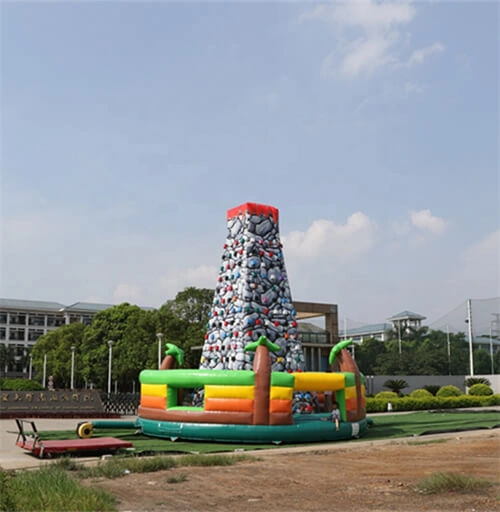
(128, 130)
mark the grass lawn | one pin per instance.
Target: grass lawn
(383, 426)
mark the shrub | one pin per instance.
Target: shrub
(408, 403)
(20, 385)
(387, 395)
(451, 482)
(476, 380)
(396, 385)
(480, 390)
(448, 391)
(420, 393)
(432, 388)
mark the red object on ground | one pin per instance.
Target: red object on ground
(96, 444)
(33, 443)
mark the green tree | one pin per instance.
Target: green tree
(132, 331)
(367, 354)
(7, 358)
(184, 321)
(57, 345)
(482, 361)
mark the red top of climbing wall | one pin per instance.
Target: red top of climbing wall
(253, 209)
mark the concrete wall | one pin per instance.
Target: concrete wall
(375, 383)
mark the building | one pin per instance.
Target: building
(22, 322)
(402, 323)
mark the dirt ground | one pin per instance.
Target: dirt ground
(353, 476)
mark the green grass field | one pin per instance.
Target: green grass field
(383, 426)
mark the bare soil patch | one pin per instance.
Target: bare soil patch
(352, 476)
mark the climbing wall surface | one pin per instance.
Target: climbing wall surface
(252, 297)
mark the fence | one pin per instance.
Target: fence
(124, 404)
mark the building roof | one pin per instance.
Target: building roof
(485, 340)
(34, 305)
(407, 315)
(367, 329)
(87, 306)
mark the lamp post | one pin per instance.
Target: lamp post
(159, 336)
(31, 365)
(399, 336)
(44, 369)
(491, 354)
(449, 349)
(72, 367)
(110, 345)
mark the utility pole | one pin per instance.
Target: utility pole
(449, 351)
(469, 321)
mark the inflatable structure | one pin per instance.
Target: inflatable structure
(251, 372)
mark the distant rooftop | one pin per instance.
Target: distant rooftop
(31, 305)
(407, 315)
(88, 306)
(42, 305)
(367, 329)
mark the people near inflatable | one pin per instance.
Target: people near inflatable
(335, 415)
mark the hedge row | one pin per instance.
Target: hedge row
(20, 385)
(408, 403)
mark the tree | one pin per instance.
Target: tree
(132, 331)
(396, 385)
(7, 358)
(184, 321)
(482, 361)
(367, 354)
(57, 345)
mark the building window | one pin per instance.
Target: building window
(3, 333)
(54, 321)
(36, 320)
(86, 319)
(3, 317)
(34, 334)
(16, 334)
(17, 319)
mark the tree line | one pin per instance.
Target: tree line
(183, 321)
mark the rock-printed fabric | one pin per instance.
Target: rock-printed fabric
(252, 297)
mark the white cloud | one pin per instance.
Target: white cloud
(125, 292)
(203, 276)
(365, 14)
(412, 88)
(478, 275)
(325, 238)
(419, 56)
(400, 227)
(423, 219)
(368, 36)
(487, 248)
(360, 57)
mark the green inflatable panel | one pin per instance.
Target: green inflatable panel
(307, 428)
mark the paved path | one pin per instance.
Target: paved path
(13, 457)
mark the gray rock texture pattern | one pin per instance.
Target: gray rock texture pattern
(252, 297)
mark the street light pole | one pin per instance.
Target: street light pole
(31, 365)
(72, 366)
(160, 336)
(110, 345)
(449, 349)
(44, 369)
(399, 336)
(491, 354)
(471, 352)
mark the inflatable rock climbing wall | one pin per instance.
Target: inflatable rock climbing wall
(252, 297)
